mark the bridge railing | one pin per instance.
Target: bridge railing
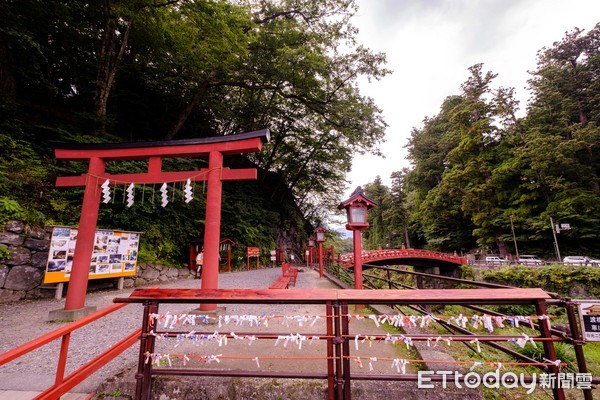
(369, 255)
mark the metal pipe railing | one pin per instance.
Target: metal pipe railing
(339, 335)
(63, 384)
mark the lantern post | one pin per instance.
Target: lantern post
(320, 234)
(356, 208)
(311, 245)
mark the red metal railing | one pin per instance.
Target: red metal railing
(347, 259)
(338, 334)
(62, 383)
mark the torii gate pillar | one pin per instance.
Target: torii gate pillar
(212, 226)
(97, 154)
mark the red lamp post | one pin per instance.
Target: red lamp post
(320, 233)
(311, 244)
(357, 207)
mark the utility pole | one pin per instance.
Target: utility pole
(512, 227)
(558, 258)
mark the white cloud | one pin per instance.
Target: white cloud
(431, 44)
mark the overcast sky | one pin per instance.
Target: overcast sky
(430, 44)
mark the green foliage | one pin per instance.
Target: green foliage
(186, 70)
(553, 278)
(592, 356)
(478, 167)
(9, 209)
(467, 272)
(4, 253)
(564, 353)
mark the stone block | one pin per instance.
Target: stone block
(14, 226)
(18, 256)
(9, 296)
(128, 283)
(37, 244)
(39, 259)
(3, 273)
(36, 232)
(36, 294)
(184, 273)
(23, 277)
(11, 238)
(149, 274)
(172, 272)
(70, 315)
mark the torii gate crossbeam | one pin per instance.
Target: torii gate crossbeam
(98, 154)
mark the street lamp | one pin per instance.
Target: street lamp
(320, 232)
(357, 207)
(311, 244)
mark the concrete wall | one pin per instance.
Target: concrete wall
(22, 273)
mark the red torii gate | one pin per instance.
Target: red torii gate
(97, 155)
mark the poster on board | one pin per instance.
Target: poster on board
(114, 254)
(589, 312)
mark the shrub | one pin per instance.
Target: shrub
(553, 278)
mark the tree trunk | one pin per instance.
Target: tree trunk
(502, 248)
(406, 236)
(108, 64)
(189, 107)
(8, 79)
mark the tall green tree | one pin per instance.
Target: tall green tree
(561, 149)
(436, 218)
(395, 214)
(121, 70)
(377, 236)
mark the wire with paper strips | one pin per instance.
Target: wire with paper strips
(187, 189)
(318, 345)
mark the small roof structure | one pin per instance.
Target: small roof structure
(594, 309)
(358, 196)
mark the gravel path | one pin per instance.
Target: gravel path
(24, 321)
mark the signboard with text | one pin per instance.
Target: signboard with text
(253, 252)
(115, 254)
(589, 313)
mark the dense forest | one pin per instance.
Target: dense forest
(481, 172)
(145, 70)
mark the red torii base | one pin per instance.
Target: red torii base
(97, 155)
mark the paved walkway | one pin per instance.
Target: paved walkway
(24, 321)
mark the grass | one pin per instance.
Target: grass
(592, 357)
(564, 352)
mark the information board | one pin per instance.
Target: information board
(253, 251)
(590, 320)
(115, 254)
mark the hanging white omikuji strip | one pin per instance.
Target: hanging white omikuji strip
(105, 191)
(130, 189)
(164, 195)
(188, 191)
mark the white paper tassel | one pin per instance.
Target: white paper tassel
(130, 189)
(106, 191)
(189, 195)
(164, 195)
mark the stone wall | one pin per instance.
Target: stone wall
(22, 273)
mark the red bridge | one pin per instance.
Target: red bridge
(414, 257)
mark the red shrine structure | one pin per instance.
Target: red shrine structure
(215, 148)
